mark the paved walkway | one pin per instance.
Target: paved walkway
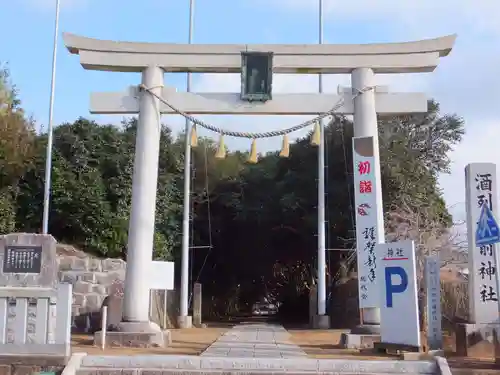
(255, 341)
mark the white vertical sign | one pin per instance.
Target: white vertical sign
(480, 187)
(433, 298)
(399, 319)
(369, 228)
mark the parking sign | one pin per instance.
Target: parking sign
(399, 321)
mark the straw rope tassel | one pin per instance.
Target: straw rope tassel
(316, 136)
(285, 149)
(221, 150)
(194, 136)
(252, 158)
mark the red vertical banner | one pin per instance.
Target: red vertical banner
(366, 220)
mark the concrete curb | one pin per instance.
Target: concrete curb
(74, 364)
(257, 372)
(442, 365)
(268, 365)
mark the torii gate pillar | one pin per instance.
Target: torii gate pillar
(142, 213)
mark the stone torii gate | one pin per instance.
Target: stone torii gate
(153, 59)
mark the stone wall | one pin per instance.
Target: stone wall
(93, 279)
(28, 365)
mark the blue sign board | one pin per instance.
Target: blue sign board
(487, 232)
(391, 288)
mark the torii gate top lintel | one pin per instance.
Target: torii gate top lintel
(408, 57)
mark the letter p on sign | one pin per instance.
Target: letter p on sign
(398, 287)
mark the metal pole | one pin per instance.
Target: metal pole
(48, 158)
(321, 195)
(187, 192)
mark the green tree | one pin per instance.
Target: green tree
(92, 188)
(16, 149)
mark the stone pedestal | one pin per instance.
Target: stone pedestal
(358, 341)
(366, 329)
(423, 356)
(391, 348)
(370, 322)
(135, 335)
(184, 322)
(321, 322)
(197, 305)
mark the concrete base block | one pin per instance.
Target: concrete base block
(391, 348)
(412, 356)
(468, 335)
(355, 341)
(185, 321)
(321, 322)
(134, 339)
(366, 329)
(135, 335)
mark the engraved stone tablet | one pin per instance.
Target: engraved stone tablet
(22, 259)
(28, 260)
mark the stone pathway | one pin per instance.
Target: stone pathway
(255, 341)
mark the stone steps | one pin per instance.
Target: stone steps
(249, 349)
(214, 372)
(166, 364)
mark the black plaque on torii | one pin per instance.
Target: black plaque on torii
(22, 259)
(256, 76)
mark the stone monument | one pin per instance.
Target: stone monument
(197, 300)
(28, 260)
(480, 188)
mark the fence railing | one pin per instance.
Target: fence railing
(35, 321)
